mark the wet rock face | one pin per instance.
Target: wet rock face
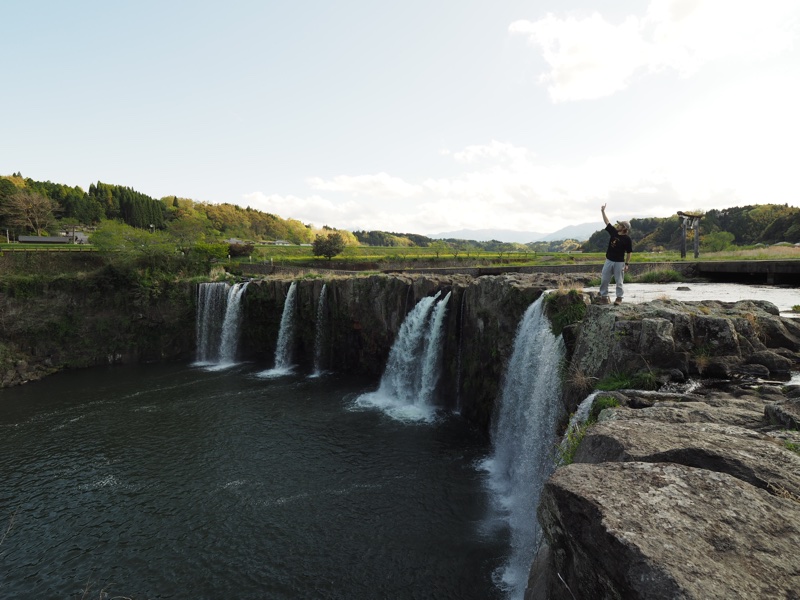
(680, 495)
(677, 496)
(364, 315)
(698, 338)
(663, 530)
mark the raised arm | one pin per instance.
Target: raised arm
(603, 210)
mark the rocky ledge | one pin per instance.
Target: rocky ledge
(680, 495)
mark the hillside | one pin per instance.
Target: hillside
(719, 228)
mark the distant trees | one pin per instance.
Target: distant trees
(385, 238)
(763, 223)
(134, 208)
(438, 247)
(328, 245)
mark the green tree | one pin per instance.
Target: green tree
(438, 247)
(328, 245)
(717, 241)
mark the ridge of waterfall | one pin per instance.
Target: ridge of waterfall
(231, 325)
(523, 440)
(412, 370)
(283, 348)
(319, 335)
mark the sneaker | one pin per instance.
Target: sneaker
(618, 301)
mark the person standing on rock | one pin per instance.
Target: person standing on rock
(618, 256)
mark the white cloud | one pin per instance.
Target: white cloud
(588, 57)
(493, 151)
(380, 184)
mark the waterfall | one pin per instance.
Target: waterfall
(230, 325)
(218, 319)
(412, 371)
(319, 338)
(283, 349)
(523, 440)
(460, 350)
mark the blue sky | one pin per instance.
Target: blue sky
(411, 116)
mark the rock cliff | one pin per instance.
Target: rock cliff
(680, 495)
(110, 316)
(364, 314)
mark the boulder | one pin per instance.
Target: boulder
(689, 412)
(784, 413)
(664, 531)
(776, 363)
(753, 457)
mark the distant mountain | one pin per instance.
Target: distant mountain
(580, 232)
(484, 235)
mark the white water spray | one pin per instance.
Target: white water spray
(412, 371)
(231, 325)
(523, 440)
(218, 319)
(319, 338)
(283, 349)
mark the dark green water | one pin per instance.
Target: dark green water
(175, 482)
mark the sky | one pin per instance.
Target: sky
(414, 116)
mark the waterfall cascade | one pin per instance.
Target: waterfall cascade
(231, 324)
(283, 349)
(319, 336)
(412, 371)
(218, 321)
(523, 439)
(460, 350)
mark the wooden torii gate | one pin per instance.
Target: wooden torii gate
(693, 222)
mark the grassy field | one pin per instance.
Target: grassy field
(381, 257)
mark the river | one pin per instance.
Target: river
(179, 482)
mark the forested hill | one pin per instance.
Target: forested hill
(741, 226)
(72, 205)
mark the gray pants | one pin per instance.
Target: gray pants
(615, 269)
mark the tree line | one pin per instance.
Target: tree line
(720, 229)
(29, 206)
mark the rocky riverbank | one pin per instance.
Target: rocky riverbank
(680, 495)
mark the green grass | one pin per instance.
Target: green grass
(792, 446)
(600, 403)
(625, 381)
(572, 440)
(574, 435)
